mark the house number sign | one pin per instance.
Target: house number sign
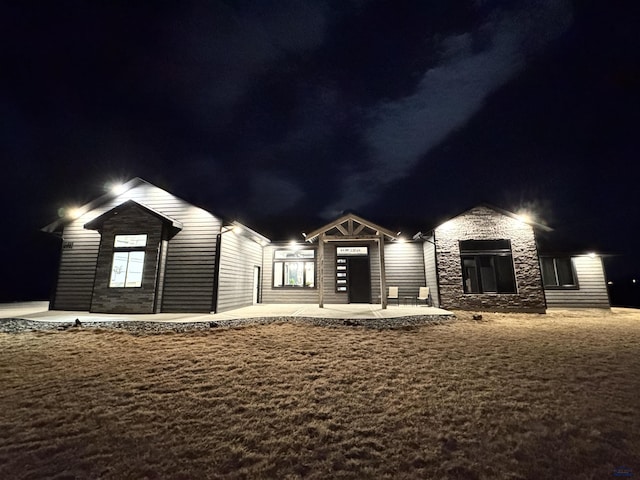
(351, 251)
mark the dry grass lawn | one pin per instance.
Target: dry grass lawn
(512, 396)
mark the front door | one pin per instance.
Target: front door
(359, 280)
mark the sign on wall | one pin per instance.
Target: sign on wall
(350, 251)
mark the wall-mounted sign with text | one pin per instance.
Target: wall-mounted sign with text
(350, 251)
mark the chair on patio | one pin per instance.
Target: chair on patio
(393, 295)
(424, 295)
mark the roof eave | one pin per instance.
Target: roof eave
(95, 203)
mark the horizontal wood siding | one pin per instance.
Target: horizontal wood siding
(77, 267)
(284, 295)
(161, 269)
(190, 263)
(592, 291)
(374, 262)
(404, 267)
(142, 299)
(238, 258)
(431, 273)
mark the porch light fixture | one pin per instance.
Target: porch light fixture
(591, 255)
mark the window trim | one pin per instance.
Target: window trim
(304, 260)
(476, 254)
(128, 251)
(574, 286)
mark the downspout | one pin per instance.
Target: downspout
(544, 294)
(216, 273)
(435, 259)
(95, 270)
(421, 236)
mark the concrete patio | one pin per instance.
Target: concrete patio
(39, 311)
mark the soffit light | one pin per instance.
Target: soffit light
(448, 225)
(524, 217)
(117, 188)
(74, 213)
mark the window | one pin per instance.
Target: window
(487, 266)
(294, 268)
(558, 272)
(128, 261)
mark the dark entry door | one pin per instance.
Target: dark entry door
(359, 280)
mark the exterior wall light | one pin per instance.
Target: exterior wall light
(117, 188)
(524, 217)
(448, 225)
(74, 213)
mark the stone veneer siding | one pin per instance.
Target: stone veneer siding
(483, 223)
(131, 221)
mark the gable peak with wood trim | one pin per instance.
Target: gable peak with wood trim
(350, 227)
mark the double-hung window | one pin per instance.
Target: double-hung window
(128, 261)
(294, 268)
(558, 272)
(487, 266)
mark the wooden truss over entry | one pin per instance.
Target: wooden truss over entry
(351, 228)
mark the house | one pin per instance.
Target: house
(143, 250)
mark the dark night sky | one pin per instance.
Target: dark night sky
(283, 114)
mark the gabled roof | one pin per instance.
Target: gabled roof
(61, 222)
(350, 226)
(96, 223)
(502, 211)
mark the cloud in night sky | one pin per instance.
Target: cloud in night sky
(472, 65)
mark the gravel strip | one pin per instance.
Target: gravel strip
(17, 325)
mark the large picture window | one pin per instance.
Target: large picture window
(294, 268)
(558, 272)
(128, 261)
(487, 266)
